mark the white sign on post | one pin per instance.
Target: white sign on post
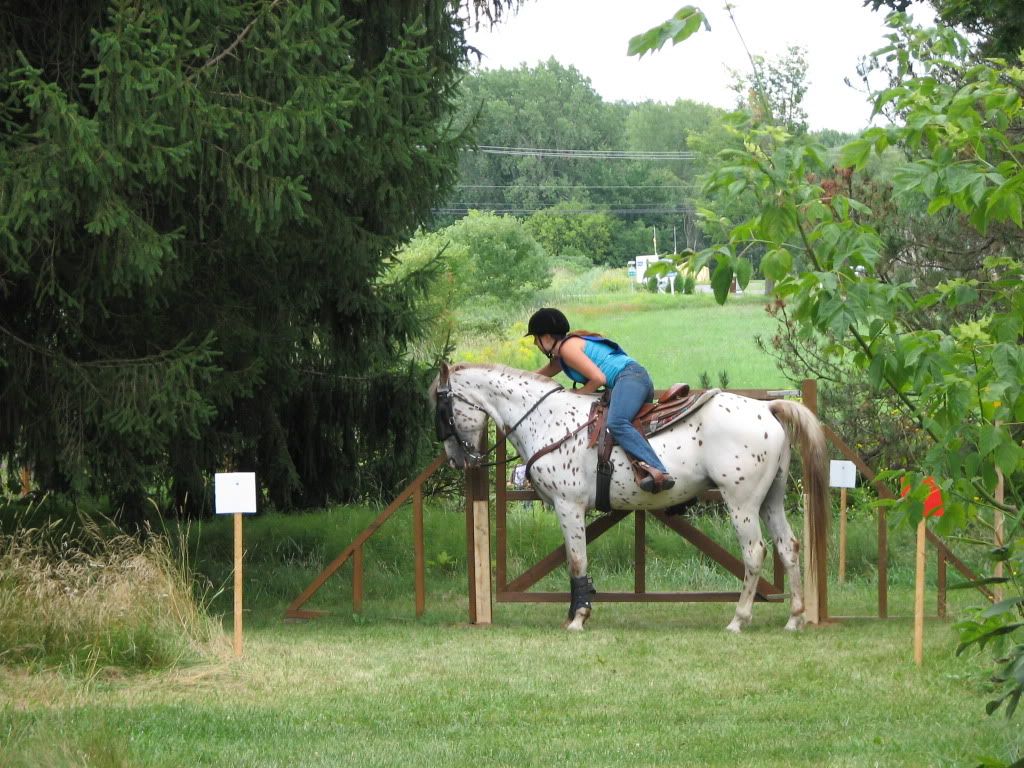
(235, 493)
(842, 474)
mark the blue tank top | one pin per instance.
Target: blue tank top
(605, 354)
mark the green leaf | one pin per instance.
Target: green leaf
(744, 269)
(984, 637)
(777, 263)
(975, 583)
(1008, 457)
(989, 439)
(686, 21)
(855, 154)
(876, 370)
(721, 280)
(775, 224)
(1003, 606)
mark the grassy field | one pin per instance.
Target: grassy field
(645, 685)
(678, 338)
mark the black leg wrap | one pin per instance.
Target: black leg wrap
(582, 588)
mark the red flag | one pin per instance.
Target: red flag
(933, 502)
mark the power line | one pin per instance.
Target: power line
(595, 154)
(576, 186)
(497, 205)
(455, 210)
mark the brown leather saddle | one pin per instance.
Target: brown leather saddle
(676, 403)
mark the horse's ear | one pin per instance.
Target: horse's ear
(443, 373)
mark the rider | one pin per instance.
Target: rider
(592, 360)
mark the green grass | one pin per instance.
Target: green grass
(676, 337)
(644, 685)
(680, 337)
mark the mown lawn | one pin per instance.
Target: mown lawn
(644, 685)
(678, 338)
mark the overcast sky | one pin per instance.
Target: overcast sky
(592, 35)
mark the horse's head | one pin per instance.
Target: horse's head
(461, 425)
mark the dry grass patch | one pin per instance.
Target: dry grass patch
(88, 602)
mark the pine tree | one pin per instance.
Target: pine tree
(198, 199)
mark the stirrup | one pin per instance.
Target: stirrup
(655, 481)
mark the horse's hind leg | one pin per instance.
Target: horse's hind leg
(748, 533)
(570, 518)
(773, 513)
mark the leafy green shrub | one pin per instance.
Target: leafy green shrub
(572, 259)
(612, 281)
(517, 351)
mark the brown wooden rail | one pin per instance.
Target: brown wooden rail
(355, 550)
(944, 553)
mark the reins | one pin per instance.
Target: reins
(477, 455)
(555, 445)
(445, 418)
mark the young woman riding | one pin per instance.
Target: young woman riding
(591, 360)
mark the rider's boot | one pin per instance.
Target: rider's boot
(654, 481)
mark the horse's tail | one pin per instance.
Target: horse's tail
(807, 430)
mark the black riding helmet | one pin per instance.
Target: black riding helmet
(547, 320)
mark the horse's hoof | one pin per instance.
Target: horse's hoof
(738, 623)
(576, 623)
(795, 623)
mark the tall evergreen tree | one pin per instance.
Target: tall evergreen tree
(197, 201)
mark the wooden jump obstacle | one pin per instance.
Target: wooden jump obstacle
(413, 491)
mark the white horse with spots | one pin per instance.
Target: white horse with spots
(733, 443)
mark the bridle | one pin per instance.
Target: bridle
(444, 418)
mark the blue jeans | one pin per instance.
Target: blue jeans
(633, 388)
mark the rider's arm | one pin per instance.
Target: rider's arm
(572, 352)
(551, 369)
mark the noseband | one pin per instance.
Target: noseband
(444, 417)
(444, 420)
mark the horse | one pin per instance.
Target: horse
(736, 444)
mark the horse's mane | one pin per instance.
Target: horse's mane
(502, 368)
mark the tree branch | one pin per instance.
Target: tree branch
(238, 40)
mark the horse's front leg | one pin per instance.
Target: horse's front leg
(570, 518)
